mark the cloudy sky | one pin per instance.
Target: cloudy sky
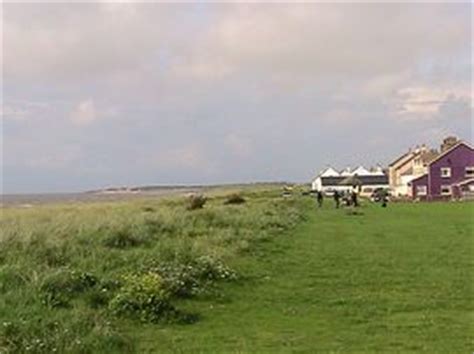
(104, 94)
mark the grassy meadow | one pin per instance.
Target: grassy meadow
(271, 275)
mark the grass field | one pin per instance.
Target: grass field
(279, 275)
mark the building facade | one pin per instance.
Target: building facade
(450, 175)
(330, 180)
(407, 167)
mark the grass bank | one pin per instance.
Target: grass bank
(71, 274)
(395, 280)
(271, 275)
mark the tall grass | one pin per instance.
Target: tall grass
(68, 273)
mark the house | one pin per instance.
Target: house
(407, 167)
(330, 180)
(449, 175)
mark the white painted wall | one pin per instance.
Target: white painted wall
(317, 184)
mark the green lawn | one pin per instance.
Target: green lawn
(390, 280)
(308, 280)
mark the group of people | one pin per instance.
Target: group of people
(350, 200)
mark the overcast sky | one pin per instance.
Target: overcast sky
(129, 94)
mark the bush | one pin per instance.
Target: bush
(209, 268)
(234, 198)
(61, 287)
(196, 202)
(193, 277)
(143, 296)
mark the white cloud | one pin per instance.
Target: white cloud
(85, 113)
(316, 41)
(425, 102)
(284, 78)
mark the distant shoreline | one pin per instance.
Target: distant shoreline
(117, 193)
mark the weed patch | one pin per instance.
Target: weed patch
(144, 297)
(194, 277)
(61, 287)
(196, 202)
(234, 198)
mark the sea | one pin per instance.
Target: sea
(30, 200)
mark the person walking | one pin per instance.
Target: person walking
(337, 199)
(355, 202)
(384, 198)
(319, 198)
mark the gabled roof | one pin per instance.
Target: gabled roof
(428, 156)
(365, 180)
(360, 171)
(346, 172)
(402, 157)
(328, 172)
(419, 177)
(466, 181)
(451, 149)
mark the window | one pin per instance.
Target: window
(470, 171)
(445, 190)
(421, 190)
(445, 172)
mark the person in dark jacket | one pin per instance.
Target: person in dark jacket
(354, 197)
(319, 198)
(384, 198)
(337, 198)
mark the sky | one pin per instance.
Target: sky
(112, 94)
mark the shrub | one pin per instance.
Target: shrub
(234, 198)
(196, 202)
(143, 296)
(179, 279)
(209, 268)
(61, 287)
(190, 278)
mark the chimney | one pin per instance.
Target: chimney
(448, 143)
